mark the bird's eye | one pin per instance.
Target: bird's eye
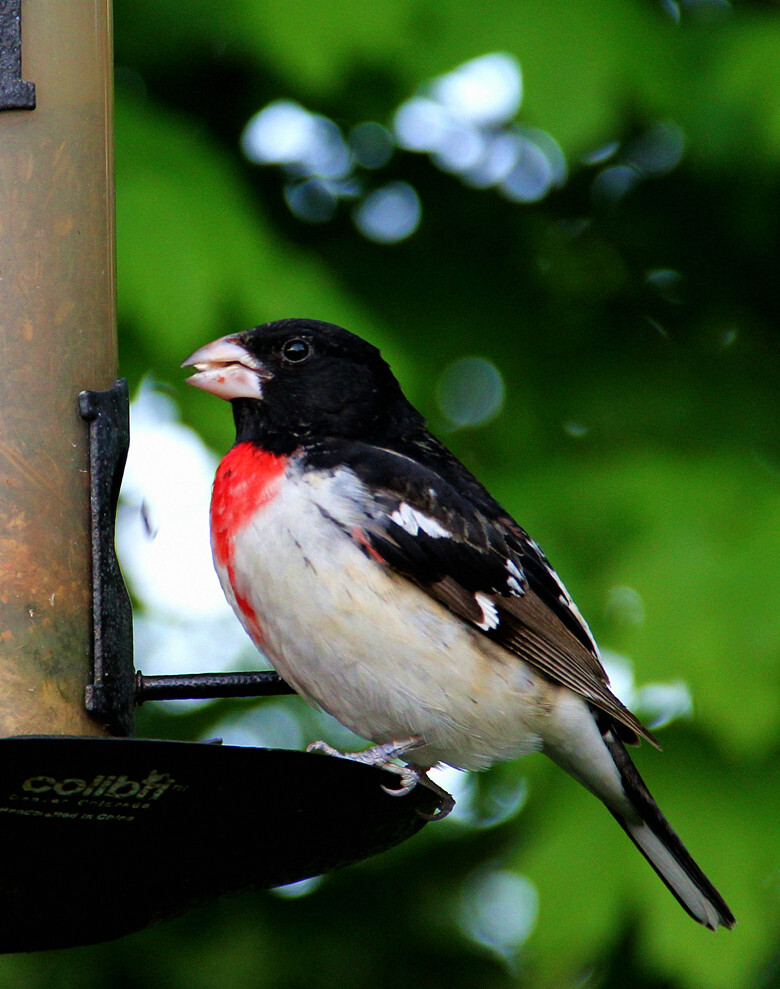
(296, 351)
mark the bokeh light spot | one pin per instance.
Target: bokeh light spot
(577, 430)
(311, 200)
(667, 282)
(389, 214)
(285, 133)
(660, 703)
(280, 132)
(485, 91)
(372, 144)
(532, 175)
(658, 150)
(625, 605)
(499, 909)
(470, 391)
(419, 124)
(294, 891)
(601, 154)
(615, 182)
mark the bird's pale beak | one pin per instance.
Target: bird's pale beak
(225, 368)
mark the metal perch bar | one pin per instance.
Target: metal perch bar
(265, 683)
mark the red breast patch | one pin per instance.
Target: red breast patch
(247, 479)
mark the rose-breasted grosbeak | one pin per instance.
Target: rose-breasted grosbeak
(389, 588)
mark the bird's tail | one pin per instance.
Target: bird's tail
(658, 842)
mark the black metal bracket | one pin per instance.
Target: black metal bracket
(15, 93)
(110, 696)
(116, 688)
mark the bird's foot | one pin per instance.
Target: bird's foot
(377, 755)
(411, 776)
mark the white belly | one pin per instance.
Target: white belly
(371, 648)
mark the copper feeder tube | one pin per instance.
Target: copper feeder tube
(57, 337)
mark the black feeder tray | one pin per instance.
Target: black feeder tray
(113, 834)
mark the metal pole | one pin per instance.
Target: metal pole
(57, 337)
(264, 683)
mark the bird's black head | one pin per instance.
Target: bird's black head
(299, 381)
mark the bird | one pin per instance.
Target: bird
(389, 588)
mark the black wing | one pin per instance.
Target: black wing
(456, 543)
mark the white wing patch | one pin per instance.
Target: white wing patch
(490, 617)
(515, 580)
(413, 522)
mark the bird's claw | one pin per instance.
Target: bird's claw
(410, 775)
(326, 749)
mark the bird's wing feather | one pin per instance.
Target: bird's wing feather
(481, 565)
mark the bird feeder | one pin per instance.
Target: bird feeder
(91, 818)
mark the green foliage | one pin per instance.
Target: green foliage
(638, 441)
